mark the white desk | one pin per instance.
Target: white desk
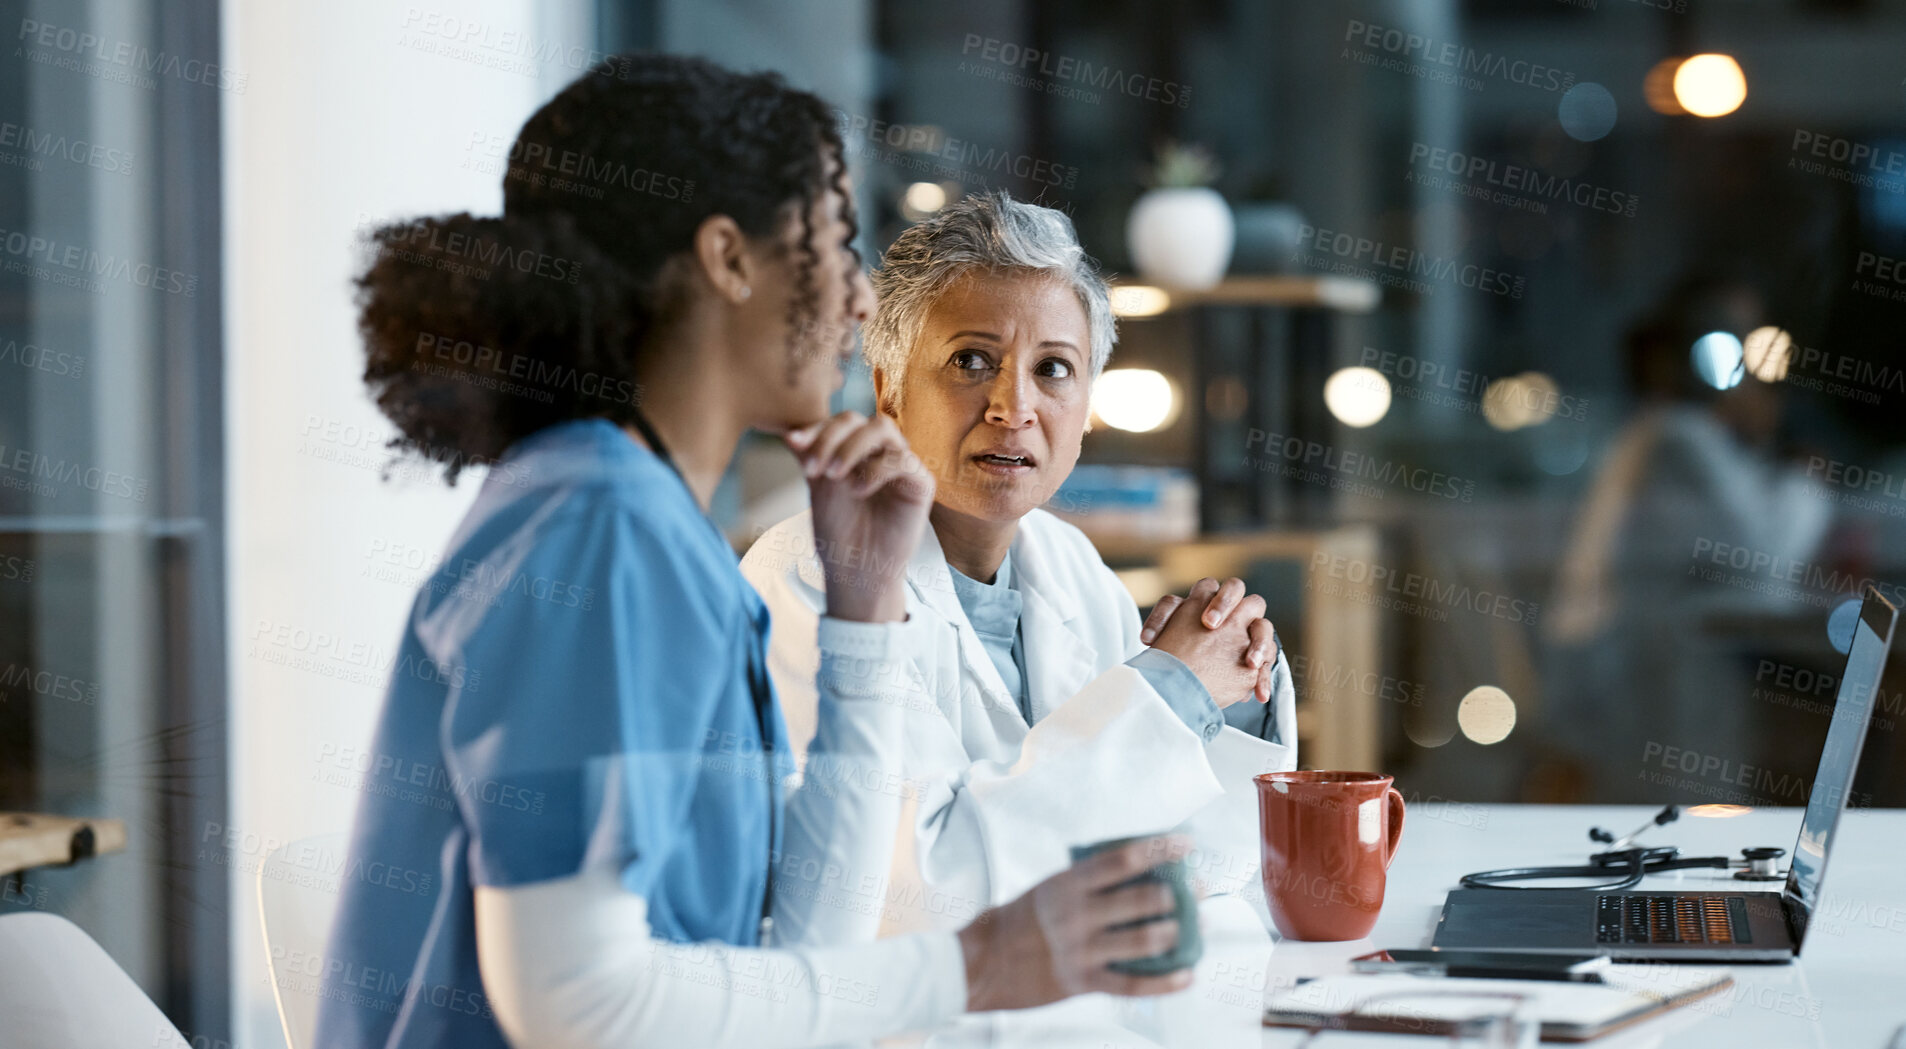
(1848, 991)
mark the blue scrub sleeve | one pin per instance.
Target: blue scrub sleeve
(582, 744)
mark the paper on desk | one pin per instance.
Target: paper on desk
(1626, 990)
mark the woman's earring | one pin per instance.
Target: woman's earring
(745, 292)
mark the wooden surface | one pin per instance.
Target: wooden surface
(32, 839)
(1348, 294)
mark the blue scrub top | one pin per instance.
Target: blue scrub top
(576, 684)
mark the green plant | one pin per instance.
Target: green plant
(1183, 164)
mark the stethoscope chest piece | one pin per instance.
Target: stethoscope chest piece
(1763, 864)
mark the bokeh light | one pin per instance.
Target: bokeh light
(1428, 733)
(1529, 399)
(1710, 85)
(1357, 396)
(1718, 358)
(1562, 450)
(1486, 715)
(1587, 111)
(1138, 400)
(1718, 811)
(925, 198)
(1767, 351)
(1658, 88)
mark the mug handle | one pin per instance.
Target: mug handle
(1395, 798)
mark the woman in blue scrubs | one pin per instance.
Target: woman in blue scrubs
(584, 750)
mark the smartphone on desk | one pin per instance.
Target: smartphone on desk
(1498, 965)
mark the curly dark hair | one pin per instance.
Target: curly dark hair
(479, 332)
(482, 330)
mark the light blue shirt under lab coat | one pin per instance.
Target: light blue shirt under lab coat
(994, 610)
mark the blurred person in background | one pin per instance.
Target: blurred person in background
(1037, 717)
(1697, 468)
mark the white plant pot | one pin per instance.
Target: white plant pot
(1181, 236)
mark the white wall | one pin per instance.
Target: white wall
(352, 112)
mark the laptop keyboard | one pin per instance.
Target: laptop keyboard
(1637, 918)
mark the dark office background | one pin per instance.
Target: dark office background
(1737, 225)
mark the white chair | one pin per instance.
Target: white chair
(61, 990)
(297, 899)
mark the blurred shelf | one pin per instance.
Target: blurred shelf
(1118, 549)
(32, 839)
(1343, 294)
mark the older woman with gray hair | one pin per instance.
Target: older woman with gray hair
(1050, 716)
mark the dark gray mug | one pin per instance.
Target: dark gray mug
(1176, 874)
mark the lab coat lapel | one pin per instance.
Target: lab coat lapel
(1060, 658)
(932, 583)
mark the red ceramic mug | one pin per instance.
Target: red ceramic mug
(1328, 838)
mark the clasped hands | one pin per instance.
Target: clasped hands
(1220, 632)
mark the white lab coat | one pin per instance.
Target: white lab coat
(994, 806)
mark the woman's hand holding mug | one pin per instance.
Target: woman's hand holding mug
(1062, 936)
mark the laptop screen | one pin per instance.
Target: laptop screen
(1852, 709)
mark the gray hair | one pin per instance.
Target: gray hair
(989, 232)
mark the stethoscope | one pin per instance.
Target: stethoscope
(1624, 864)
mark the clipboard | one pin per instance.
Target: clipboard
(1568, 1012)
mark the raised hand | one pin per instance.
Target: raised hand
(870, 496)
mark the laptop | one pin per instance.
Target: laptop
(1703, 926)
